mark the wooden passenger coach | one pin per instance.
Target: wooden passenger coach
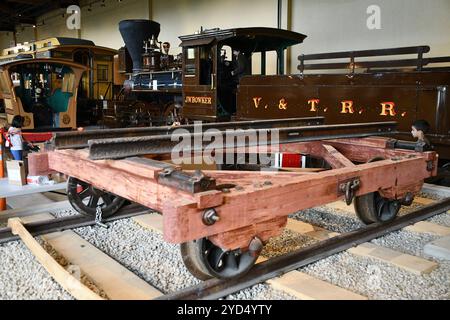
(95, 83)
(43, 91)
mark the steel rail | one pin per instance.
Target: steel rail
(70, 222)
(164, 144)
(216, 289)
(76, 140)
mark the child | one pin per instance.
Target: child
(15, 137)
(419, 129)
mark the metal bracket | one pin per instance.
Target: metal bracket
(430, 165)
(348, 188)
(98, 218)
(407, 199)
(192, 183)
(210, 217)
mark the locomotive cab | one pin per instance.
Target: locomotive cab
(210, 61)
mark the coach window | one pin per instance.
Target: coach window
(4, 85)
(190, 68)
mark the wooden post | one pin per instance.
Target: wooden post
(2, 169)
(62, 276)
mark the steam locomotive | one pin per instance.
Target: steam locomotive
(366, 87)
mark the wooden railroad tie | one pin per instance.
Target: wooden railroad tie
(116, 281)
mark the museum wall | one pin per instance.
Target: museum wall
(187, 16)
(340, 25)
(101, 25)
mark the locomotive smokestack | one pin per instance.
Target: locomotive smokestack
(134, 32)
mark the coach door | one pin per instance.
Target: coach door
(200, 82)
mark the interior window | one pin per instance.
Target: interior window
(256, 63)
(102, 72)
(44, 89)
(189, 69)
(15, 78)
(4, 85)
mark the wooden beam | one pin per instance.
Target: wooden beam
(306, 287)
(33, 2)
(29, 211)
(120, 177)
(8, 28)
(357, 150)
(255, 204)
(335, 159)
(404, 261)
(115, 280)
(61, 275)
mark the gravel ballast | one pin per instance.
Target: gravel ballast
(159, 263)
(22, 277)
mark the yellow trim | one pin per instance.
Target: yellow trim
(47, 45)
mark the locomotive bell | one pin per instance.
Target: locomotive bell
(152, 58)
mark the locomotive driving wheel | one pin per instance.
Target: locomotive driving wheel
(172, 115)
(204, 260)
(85, 199)
(372, 207)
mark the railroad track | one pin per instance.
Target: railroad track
(266, 271)
(215, 289)
(71, 222)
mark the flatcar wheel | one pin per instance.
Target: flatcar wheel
(372, 207)
(85, 199)
(204, 260)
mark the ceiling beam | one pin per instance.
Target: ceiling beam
(7, 9)
(7, 28)
(33, 2)
(19, 20)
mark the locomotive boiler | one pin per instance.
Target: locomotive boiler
(151, 94)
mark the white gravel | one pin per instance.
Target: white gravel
(442, 219)
(22, 277)
(378, 280)
(329, 219)
(370, 277)
(157, 262)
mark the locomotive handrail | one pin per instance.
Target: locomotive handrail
(375, 64)
(365, 53)
(419, 62)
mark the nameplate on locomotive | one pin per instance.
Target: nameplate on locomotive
(199, 100)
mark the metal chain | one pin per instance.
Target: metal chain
(98, 218)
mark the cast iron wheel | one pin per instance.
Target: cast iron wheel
(372, 207)
(204, 260)
(85, 199)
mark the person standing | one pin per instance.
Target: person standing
(16, 139)
(419, 129)
(241, 65)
